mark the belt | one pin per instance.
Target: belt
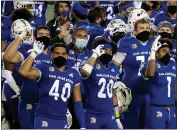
(167, 105)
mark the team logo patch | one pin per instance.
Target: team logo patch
(92, 120)
(29, 107)
(71, 75)
(112, 70)
(98, 66)
(134, 46)
(159, 114)
(51, 69)
(158, 65)
(44, 124)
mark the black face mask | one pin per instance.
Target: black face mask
(172, 9)
(59, 61)
(117, 36)
(146, 7)
(143, 36)
(45, 40)
(103, 23)
(105, 58)
(165, 59)
(165, 35)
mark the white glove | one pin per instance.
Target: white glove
(156, 44)
(38, 48)
(99, 50)
(26, 32)
(119, 124)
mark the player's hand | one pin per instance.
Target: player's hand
(64, 29)
(156, 44)
(119, 124)
(26, 32)
(99, 50)
(38, 47)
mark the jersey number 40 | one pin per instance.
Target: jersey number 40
(54, 91)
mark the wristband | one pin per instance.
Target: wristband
(152, 56)
(88, 68)
(94, 55)
(116, 112)
(33, 54)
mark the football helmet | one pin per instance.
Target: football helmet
(30, 5)
(18, 26)
(116, 25)
(135, 15)
(123, 95)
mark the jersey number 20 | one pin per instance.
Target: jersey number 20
(107, 86)
(54, 91)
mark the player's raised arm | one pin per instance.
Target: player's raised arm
(150, 70)
(78, 106)
(26, 69)
(86, 70)
(11, 54)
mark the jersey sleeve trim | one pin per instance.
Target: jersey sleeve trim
(77, 84)
(39, 76)
(22, 57)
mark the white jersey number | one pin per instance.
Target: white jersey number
(169, 83)
(108, 87)
(54, 91)
(142, 59)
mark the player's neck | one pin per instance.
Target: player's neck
(63, 68)
(78, 50)
(143, 43)
(172, 16)
(46, 51)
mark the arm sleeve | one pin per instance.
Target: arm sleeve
(23, 50)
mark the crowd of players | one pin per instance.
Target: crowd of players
(95, 65)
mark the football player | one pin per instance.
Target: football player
(56, 84)
(166, 30)
(131, 52)
(99, 76)
(160, 74)
(15, 54)
(169, 16)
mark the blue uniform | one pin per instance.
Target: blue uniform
(164, 17)
(76, 60)
(6, 7)
(6, 23)
(29, 91)
(152, 16)
(162, 94)
(99, 96)
(173, 52)
(136, 53)
(40, 11)
(55, 90)
(94, 31)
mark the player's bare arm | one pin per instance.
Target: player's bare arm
(11, 54)
(150, 70)
(26, 69)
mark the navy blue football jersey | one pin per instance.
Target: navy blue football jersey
(164, 17)
(99, 88)
(136, 53)
(162, 85)
(55, 90)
